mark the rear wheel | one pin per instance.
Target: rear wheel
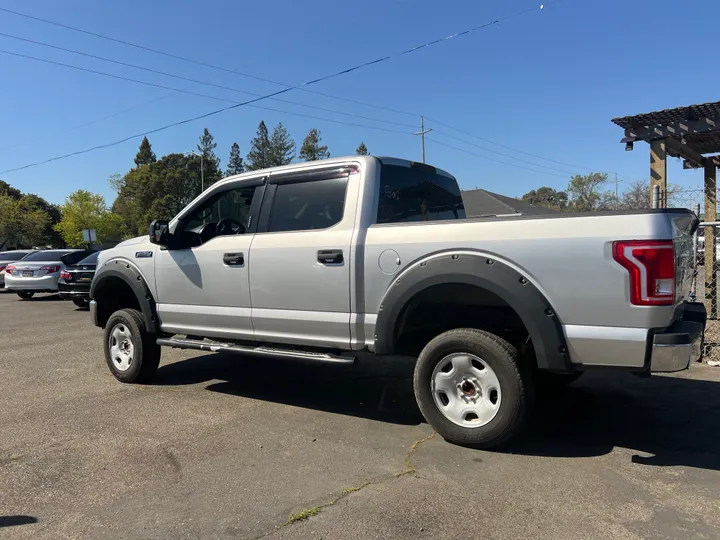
(131, 352)
(472, 388)
(25, 295)
(81, 302)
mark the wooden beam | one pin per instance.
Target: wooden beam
(658, 171)
(710, 248)
(675, 129)
(676, 148)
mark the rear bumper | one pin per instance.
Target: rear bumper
(676, 347)
(73, 291)
(39, 284)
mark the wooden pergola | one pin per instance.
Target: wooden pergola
(692, 134)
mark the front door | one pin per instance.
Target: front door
(203, 281)
(301, 260)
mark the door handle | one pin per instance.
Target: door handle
(330, 256)
(234, 259)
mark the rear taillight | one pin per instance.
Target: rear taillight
(50, 269)
(9, 269)
(2, 267)
(651, 265)
(65, 275)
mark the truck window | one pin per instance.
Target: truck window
(414, 194)
(229, 207)
(308, 206)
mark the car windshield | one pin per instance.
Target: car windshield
(12, 255)
(90, 259)
(42, 256)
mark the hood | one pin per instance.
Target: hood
(133, 241)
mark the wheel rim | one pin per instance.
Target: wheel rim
(121, 347)
(466, 390)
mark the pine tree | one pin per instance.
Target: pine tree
(362, 150)
(235, 163)
(211, 163)
(145, 155)
(259, 156)
(311, 149)
(282, 147)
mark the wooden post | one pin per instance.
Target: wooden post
(658, 171)
(710, 249)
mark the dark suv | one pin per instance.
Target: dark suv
(75, 280)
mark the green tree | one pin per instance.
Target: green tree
(86, 210)
(211, 163)
(145, 155)
(588, 194)
(362, 150)
(259, 156)
(547, 197)
(311, 150)
(158, 191)
(282, 147)
(21, 226)
(30, 203)
(7, 189)
(235, 163)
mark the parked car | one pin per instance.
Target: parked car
(74, 282)
(40, 271)
(10, 257)
(330, 260)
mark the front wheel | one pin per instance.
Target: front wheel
(472, 389)
(25, 295)
(131, 352)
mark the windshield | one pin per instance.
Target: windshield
(91, 259)
(42, 256)
(13, 255)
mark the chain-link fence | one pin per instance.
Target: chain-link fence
(705, 289)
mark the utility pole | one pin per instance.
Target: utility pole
(617, 196)
(422, 133)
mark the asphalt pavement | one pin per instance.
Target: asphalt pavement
(229, 447)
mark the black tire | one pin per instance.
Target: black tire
(546, 379)
(145, 356)
(515, 384)
(81, 302)
(25, 295)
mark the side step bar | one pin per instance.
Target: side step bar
(260, 350)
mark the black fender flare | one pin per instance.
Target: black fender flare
(130, 275)
(487, 272)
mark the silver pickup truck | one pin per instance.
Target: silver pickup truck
(333, 260)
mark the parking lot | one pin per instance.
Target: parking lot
(229, 447)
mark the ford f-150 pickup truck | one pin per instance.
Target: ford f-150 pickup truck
(333, 260)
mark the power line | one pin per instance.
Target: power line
(188, 79)
(493, 159)
(282, 91)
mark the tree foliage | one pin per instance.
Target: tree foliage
(588, 194)
(547, 197)
(362, 150)
(282, 147)
(158, 191)
(145, 155)
(86, 210)
(21, 226)
(311, 149)
(260, 154)
(235, 163)
(211, 163)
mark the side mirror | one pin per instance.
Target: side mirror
(159, 233)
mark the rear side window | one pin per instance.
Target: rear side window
(13, 255)
(44, 256)
(90, 259)
(308, 206)
(415, 194)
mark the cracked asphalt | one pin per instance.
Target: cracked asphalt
(228, 447)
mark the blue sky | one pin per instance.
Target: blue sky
(547, 82)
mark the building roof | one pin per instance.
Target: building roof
(480, 202)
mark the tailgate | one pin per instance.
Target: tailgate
(684, 227)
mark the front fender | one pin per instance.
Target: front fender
(486, 272)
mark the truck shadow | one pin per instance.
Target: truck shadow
(377, 389)
(674, 419)
(667, 420)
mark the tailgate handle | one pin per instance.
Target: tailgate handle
(234, 259)
(330, 256)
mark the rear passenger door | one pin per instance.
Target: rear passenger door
(300, 272)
